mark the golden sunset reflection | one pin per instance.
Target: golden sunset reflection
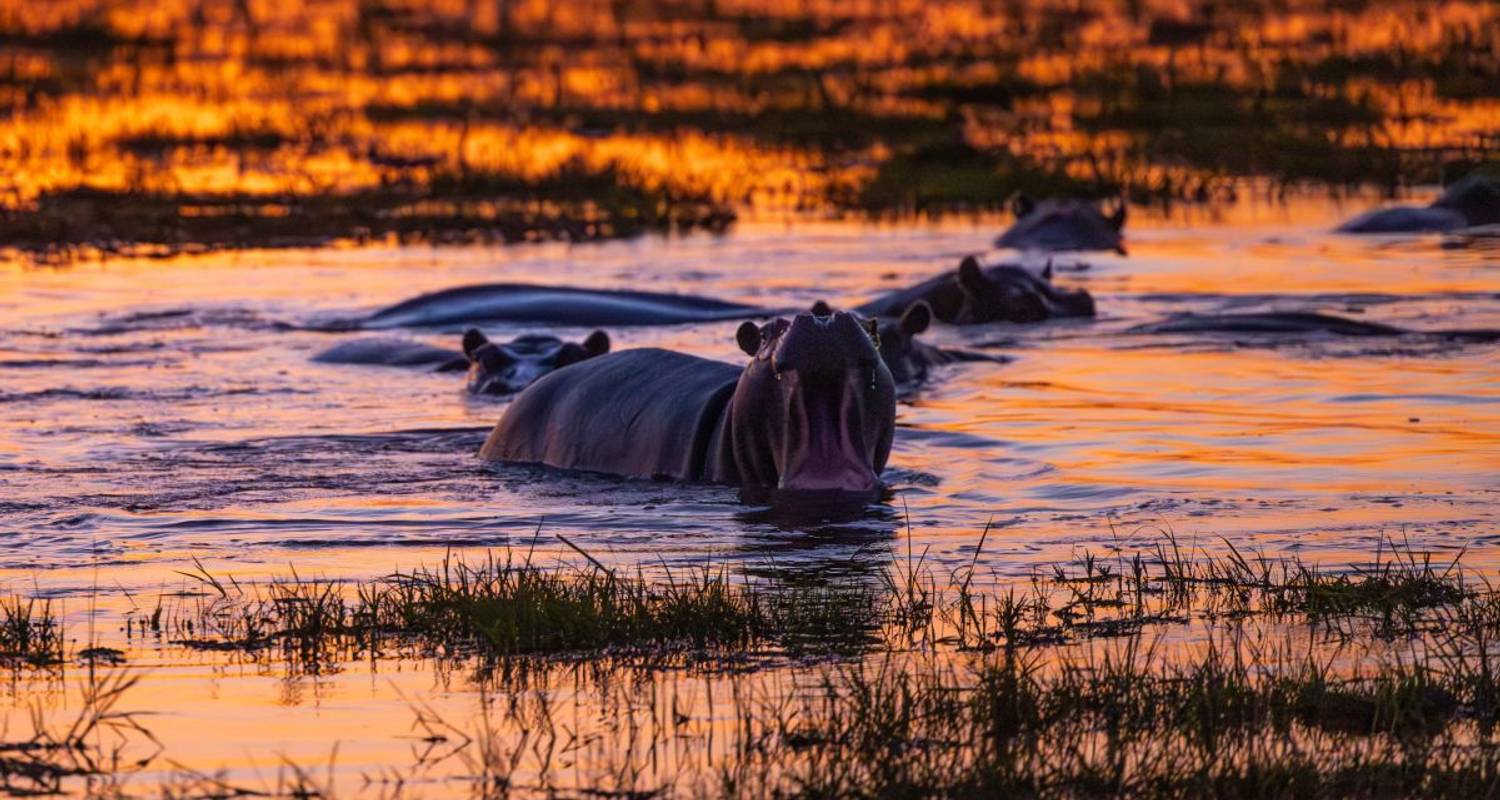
(764, 108)
(200, 199)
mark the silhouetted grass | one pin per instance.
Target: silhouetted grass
(505, 607)
(29, 633)
(1166, 672)
(89, 744)
(1229, 720)
(575, 203)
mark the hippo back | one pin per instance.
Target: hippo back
(1404, 219)
(642, 413)
(941, 292)
(554, 305)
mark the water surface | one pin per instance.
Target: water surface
(154, 413)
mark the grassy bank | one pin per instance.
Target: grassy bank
(1163, 670)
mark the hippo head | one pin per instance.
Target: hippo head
(1475, 196)
(1011, 294)
(899, 348)
(897, 340)
(1063, 224)
(815, 409)
(507, 368)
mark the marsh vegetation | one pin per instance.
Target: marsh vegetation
(161, 127)
(1163, 670)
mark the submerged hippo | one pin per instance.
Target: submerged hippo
(1297, 322)
(508, 367)
(1472, 201)
(1063, 225)
(969, 296)
(495, 368)
(973, 295)
(386, 351)
(553, 305)
(814, 410)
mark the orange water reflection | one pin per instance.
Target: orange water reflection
(213, 438)
(187, 98)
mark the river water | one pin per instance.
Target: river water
(157, 412)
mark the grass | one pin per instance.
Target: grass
(1229, 720)
(1165, 670)
(576, 203)
(507, 606)
(101, 741)
(847, 111)
(30, 635)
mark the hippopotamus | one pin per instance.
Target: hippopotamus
(1470, 202)
(813, 411)
(494, 368)
(1061, 224)
(553, 305)
(909, 360)
(973, 294)
(970, 295)
(388, 351)
(1297, 322)
(508, 367)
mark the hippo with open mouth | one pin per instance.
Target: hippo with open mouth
(1470, 202)
(973, 295)
(1063, 224)
(494, 368)
(813, 411)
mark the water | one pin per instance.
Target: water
(158, 413)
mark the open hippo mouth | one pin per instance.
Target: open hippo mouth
(823, 447)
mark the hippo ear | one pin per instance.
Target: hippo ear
(1117, 219)
(822, 309)
(916, 319)
(570, 353)
(748, 337)
(597, 344)
(473, 340)
(1047, 271)
(872, 327)
(1022, 205)
(970, 276)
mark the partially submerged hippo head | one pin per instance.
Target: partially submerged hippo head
(508, 367)
(906, 358)
(1476, 197)
(815, 409)
(1009, 293)
(903, 355)
(1063, 225)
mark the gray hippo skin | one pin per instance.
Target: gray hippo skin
(813, 411)
(1470, 202)
(1000, 293)
(1060, 225)
(1299, 322)
(386, 351)
(554, 305)
(501, 368)
(974, 295)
